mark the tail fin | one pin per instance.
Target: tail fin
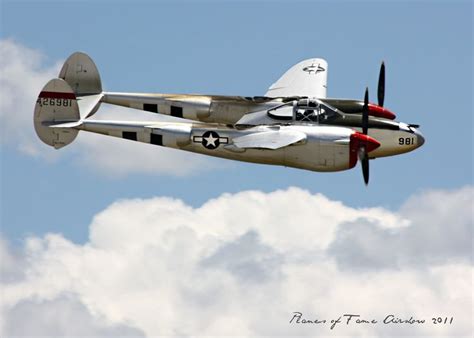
(56, 104)
(65, 102)
(81, 73)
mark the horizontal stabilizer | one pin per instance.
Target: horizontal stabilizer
(59, 124)
(269, 139)
(88, 105)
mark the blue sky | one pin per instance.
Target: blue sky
(240, 48)
(115, 238)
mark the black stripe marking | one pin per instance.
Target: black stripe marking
(156, 139)
(150, 107)
(176, 111)
(129, 135)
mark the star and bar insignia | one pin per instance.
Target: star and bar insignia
(313, 69)
(211, 140)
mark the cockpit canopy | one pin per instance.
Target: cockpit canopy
(304, 110)
(312, 111)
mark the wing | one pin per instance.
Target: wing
(307, 78)
(269, 139)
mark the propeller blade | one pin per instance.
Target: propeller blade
(364, 161)
(365, 169)
(381, 85)
(365, 113)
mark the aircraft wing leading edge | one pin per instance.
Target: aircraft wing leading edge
(269, 139)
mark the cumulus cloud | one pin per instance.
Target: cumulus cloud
(24, 71)
(22, 75)
(242, 264)
(364, 244)
(64, 316)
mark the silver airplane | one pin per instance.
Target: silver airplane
(293, 125)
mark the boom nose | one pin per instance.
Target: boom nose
(420, 140)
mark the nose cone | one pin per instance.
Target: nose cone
(420, 140)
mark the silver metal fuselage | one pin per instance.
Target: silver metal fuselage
(326, 148)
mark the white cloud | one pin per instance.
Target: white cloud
(22, 75)
(64, 316)
(242, 264)
(445, 234)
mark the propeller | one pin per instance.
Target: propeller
(363, 156)
(381, 85)
(365, 112)
(365, 143)
(363, 151)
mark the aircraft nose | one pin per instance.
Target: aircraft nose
(420, 139)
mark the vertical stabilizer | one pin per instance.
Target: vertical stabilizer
(81, 73)
(56, 104)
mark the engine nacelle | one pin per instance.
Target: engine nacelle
(331, 148)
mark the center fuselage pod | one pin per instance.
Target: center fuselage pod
(322, 149)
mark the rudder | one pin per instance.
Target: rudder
(81, 73)
(56, 104)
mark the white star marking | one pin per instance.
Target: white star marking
(211, 140)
